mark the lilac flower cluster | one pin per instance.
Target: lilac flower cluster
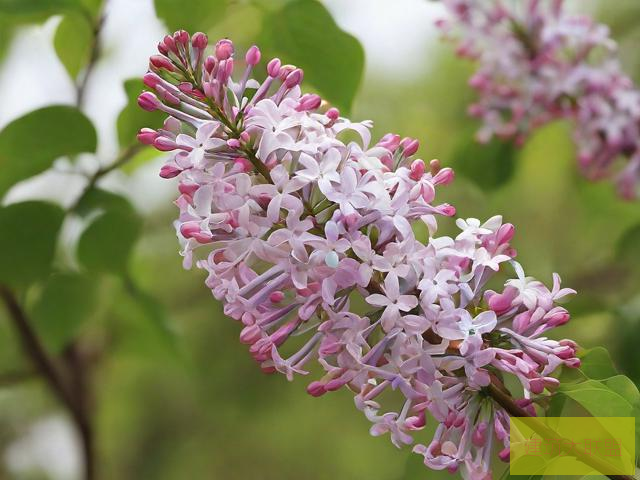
(538, 63)
(297, 224)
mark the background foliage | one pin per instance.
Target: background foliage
(173, 393)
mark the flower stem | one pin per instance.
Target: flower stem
(499, 394)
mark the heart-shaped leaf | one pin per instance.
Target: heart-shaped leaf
(28, 241)
(64, 304)
(30, 144)
(73, 42)
(304, 33)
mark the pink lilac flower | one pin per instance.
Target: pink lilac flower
(292, 223)
(538, 63)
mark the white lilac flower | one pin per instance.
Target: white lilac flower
(291, 224)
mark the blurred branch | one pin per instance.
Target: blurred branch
(97, 24)
(125, 156)
(498, 392)
(51, 373)
(15, 377)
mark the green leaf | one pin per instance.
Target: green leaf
(38, 7)
(73, 42)
(98, 200)
(600, 399)
(304, 33)
(106, 244)
(489, 165)
(132, 118)
(636, 413)
(30, 144)
(596, 364)
(190, 15)
(28, 241)
(65, 303)
(624, 387)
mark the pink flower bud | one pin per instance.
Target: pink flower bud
(228, 67)
(409, 146)
(162, 48)
(167, 96)
(169, 44)
(505, 233)
(285, 70)
(505, 454)
(148, 101)
(434, 166)
(416, 422)
(160, 61)
(224, 49)
(181, 37)
(199, 40)
(521, 321)
(333, 114)
(309, 102)
(556, 318)
(233, 143)
(273, 67)
(209, 63)
(245, 137)
(417, 170)
(390, 141)
(165, 144)
(447, 210)
(147, 136)
(500, 302)
(243, 164)
(316, 389)
(253, 56)
(294, 78)
(479, 434)
(444, 177)
(190, 229)
(169, 171)
(536, 385)
(151, 80)
(250, 335)
(276, 297)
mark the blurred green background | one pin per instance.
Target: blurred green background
(173, 393)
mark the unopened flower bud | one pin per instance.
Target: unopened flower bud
(169, 171)
(147, 136)
(199, 40)
(409, 146)
(148, 101)
(273, 67)
(294, 78)
(160, 61)
(253, 56)
(224, 49)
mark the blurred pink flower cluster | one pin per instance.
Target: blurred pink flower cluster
(538, 63)
(305, 228)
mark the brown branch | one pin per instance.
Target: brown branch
(49, 371)
(500, 395)
(94, 54)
